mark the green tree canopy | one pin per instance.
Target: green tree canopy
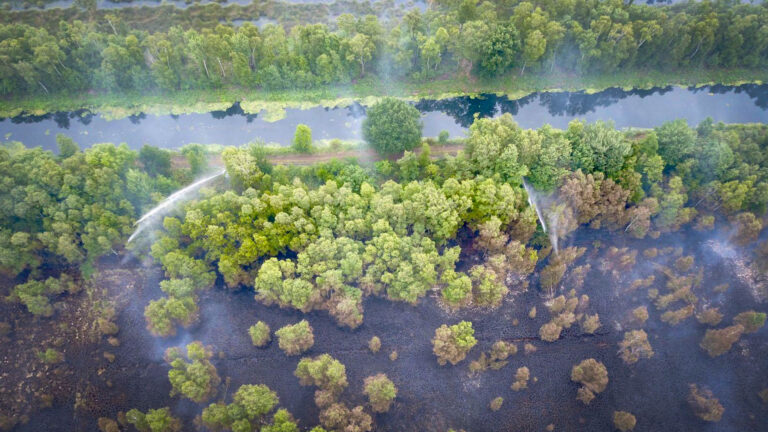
(392, 126)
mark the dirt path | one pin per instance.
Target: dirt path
(362, 154)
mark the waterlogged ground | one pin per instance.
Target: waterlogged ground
(432, 397)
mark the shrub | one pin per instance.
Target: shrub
(458, 291)
(249, 405)
(260, 334)
(155, 420)
(521, 379)
(718, 342)
(675, 317)
(295, 339)
(35, 294)
(496, 403)
(634, 346)
(764, 395)
(593, 377)
(256, 400)
(374, 344)
(380, 391)
(451, 344)
(624, 421)
(550, 332)
(683, 264)
(704, 404)
(496, 359)
(751, 321)
(338, 417)
(443, 137)
(193, 375)
(590, 324)
(324, 372)
(51, 356)
(282, 421)
(640, 315)
(108, 425)
(710, 316)
(164, 314)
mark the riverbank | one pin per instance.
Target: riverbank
(272, 104)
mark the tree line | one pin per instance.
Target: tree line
(453, 37)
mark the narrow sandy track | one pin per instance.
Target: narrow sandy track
(360, 154)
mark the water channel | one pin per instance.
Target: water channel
(635, 108)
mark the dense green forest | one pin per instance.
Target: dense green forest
(107, 53)
(64, 211)
(326, 235)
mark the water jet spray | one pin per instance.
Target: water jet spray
(172, 199)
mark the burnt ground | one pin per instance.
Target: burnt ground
(433, 397)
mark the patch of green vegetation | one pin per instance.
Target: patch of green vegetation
(271, 104)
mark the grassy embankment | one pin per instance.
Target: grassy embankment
(273, 103)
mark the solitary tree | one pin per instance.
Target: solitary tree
(392, 126)
(302, 139)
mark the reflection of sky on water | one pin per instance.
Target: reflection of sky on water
(637, 108)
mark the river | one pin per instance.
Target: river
(635, 108)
